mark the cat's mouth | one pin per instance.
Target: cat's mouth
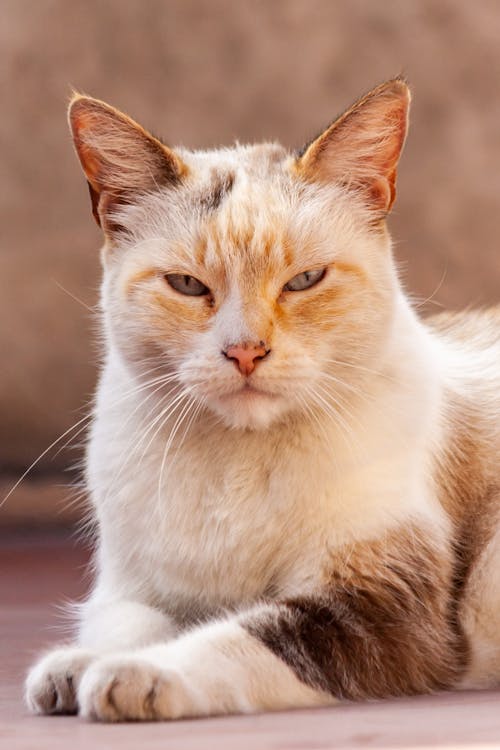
(250, 391)
(249, 406)
(247, 388)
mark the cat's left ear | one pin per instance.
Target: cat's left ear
(361, 149)
(120, 159)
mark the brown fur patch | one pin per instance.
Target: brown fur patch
(467, 475)
(464, 489)
(212, 197)
(383, 624)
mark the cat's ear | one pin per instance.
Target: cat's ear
(120, 159)
(361, 149)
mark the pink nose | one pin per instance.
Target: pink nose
(246, 355)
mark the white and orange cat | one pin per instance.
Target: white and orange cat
(295, 480)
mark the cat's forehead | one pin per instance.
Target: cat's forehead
(240, 173)
(240, 210)
(259, 160)
(243, 199)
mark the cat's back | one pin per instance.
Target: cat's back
(469, 353)
(469, 329)
(469, 476)
(468, 349)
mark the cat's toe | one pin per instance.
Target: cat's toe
(52, 683)
(129, 689)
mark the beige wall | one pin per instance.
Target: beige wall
(203, 73)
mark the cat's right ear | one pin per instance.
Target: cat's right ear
(120, 159)
(361, 149)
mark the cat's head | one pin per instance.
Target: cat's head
(261, 281)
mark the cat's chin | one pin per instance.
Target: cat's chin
(250, 409)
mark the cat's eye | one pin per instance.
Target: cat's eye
(186, 284)
(304, 280)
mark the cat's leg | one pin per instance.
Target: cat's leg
(216, 669)
(480, 617)
(104, 626)
(382, 626)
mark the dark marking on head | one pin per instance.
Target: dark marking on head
(216, 191)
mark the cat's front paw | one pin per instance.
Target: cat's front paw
(131, 689)
(52, 683)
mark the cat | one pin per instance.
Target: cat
(294, 478)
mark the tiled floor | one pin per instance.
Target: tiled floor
(35, 574)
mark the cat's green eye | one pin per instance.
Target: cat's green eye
(304, 280)
(186, 284)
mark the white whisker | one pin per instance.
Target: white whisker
(125, 454)
(185, 410)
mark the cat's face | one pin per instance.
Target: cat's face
(260, 281)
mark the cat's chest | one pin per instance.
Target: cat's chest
(241, 531)
(226, 519)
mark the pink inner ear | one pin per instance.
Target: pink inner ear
(382, 192)
(119, 158)
(362, 148)
(82, 121)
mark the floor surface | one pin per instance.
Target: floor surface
(36, 575)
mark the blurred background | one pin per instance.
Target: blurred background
(203, 73)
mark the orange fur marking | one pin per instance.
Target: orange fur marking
(137, 278)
